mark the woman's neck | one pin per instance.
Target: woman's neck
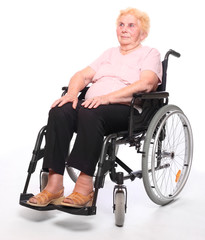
(127, 49)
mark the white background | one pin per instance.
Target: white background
(42, 44)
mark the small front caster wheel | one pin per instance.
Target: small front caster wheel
(119, 208)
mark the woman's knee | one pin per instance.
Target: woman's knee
(59, 112)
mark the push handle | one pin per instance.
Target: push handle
(172, 52)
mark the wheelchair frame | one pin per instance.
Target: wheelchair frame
(156, 114)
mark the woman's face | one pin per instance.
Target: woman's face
(129, 32)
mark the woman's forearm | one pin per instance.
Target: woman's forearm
(125, 94)
(76, 84)
(80, 80)
(147, 83)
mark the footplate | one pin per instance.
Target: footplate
(86, 211)
(24, 197)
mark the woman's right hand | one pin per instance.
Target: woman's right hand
(76, 84)
(65, 99)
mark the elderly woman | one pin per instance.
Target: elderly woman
(115, 76)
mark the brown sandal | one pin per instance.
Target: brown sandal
(79, 200)
(44, 198)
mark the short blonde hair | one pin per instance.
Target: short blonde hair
(141, 16)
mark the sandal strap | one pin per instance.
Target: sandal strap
(79, 199)
(46, 196)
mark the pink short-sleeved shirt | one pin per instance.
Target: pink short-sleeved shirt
(115, 71)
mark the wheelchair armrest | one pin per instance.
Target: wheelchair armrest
(81, 95)
(64, 89)
(143, 96)
(151, 95)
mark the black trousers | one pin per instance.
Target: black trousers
(91, 125)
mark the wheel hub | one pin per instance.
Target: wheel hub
(168, 154)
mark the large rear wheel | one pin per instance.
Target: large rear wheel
(167, 154)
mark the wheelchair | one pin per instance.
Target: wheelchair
(162, 135)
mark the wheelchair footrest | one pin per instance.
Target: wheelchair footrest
(24, 197)
(86, 211)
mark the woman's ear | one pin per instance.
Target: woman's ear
(143, 35)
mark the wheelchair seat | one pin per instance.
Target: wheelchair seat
(161, 133)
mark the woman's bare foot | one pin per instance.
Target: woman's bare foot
(54, 185)
(84, 185)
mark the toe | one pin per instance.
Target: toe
(33, 200)
(68, 200)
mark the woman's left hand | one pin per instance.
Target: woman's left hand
(96, 101)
